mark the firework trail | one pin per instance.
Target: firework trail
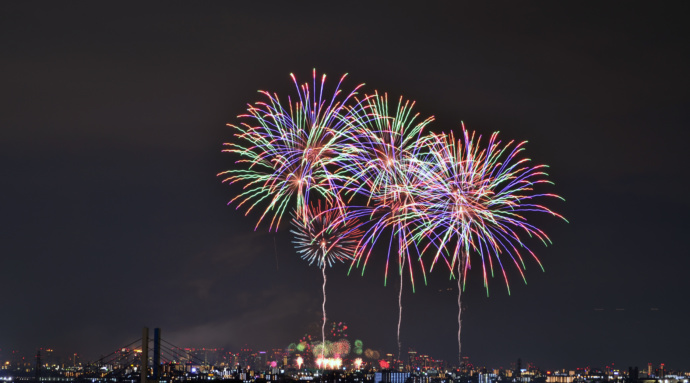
(474, 200)
(323, 305)
(387, 140)
(324, 238)
(287, 150)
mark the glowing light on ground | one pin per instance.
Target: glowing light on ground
(329, 363)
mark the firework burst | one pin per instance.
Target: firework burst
(474, 201)
(288, 150)
(381, 171)
(325, 238)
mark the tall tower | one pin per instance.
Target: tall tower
(144, 354)
(38, 366)
(156, 353)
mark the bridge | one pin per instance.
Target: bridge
(145, 360)
(155, 360)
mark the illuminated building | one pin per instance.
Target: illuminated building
(388, 376)
(412, 361)
(261, 360)
(245, 358)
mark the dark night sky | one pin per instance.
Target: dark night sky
(113, 218)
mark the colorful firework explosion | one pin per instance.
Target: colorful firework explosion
(474, 201)
(324, 238)
(429, 192)
(338, 329)
(286, 151)
(381, 171)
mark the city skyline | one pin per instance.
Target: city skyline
(114, 118)
(282, 358)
